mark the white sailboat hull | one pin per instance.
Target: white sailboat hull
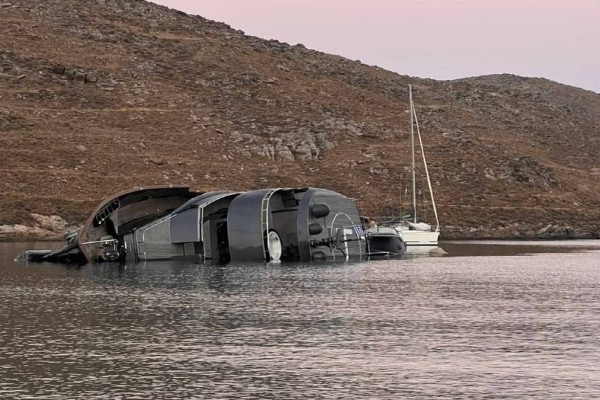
(418, 241)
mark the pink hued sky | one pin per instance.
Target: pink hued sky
(440, 39)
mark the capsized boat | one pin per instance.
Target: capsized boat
(277, 224)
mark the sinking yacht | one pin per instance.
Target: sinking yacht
(166, 223)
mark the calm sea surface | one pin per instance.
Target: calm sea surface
(491, 321)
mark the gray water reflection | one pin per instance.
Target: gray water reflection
(455, 327)
(461, 248)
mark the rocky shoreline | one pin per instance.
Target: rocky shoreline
(54, 228)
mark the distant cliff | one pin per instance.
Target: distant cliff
(97, 96)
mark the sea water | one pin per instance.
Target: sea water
(492, 320)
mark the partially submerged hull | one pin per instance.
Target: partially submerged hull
(166, 223)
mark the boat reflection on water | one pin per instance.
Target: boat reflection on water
(232, 277)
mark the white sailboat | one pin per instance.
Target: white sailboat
(418, 236)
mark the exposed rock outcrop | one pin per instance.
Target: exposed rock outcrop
(44, 227)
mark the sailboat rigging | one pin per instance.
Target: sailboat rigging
(418, 235)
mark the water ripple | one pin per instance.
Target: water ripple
(464, 327)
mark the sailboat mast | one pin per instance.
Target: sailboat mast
(437, 220)
(412, 143)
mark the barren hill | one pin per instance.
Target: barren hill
(98, 96)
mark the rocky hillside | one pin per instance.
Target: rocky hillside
(98, 96)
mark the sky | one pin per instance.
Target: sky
(439, 39)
